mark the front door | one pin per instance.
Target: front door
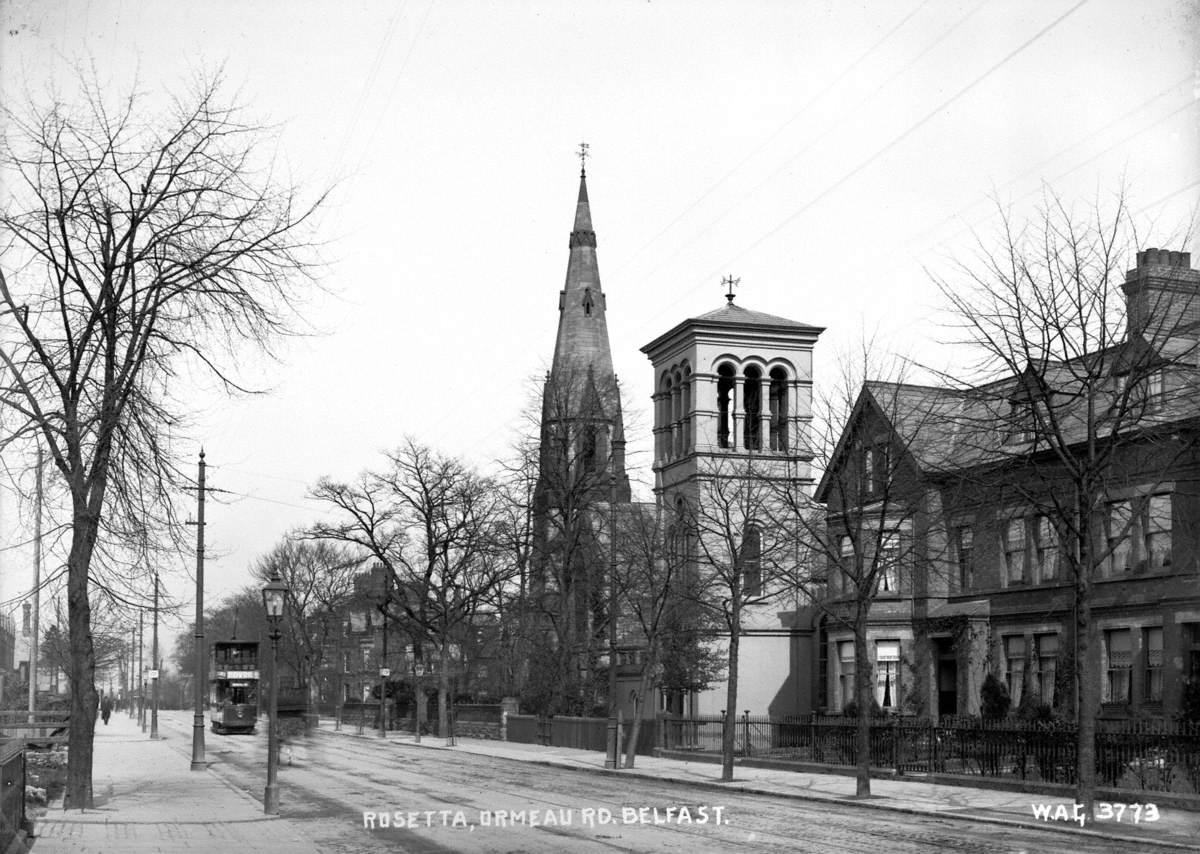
(947, 678)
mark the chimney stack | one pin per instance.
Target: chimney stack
(1162, 294)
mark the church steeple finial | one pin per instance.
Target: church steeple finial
(582, 153)
(731, 283)
(582, 234)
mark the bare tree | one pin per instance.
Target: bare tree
(658, 611)
(136, 246)
(858, 526)
(320, 580)
(742, 561)
(430, 521)
(1080, 394)
(580, 446)
(514, 606)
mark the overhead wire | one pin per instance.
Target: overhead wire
(395, 84)
(870, 159)
(368, 84)
(829, 127)
(795, 117)
(1120, 120)
(969, 228)
(653, 241)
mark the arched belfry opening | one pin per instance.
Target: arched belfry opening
(752, 407)
(779, 409)
(724, 404)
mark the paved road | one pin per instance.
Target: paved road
(333, 779)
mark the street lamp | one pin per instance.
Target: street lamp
(419, 699)
(274, 593)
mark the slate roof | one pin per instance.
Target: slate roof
(947, 429)
(733, 313)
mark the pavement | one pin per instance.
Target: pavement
(148, 799)
(1172, 829)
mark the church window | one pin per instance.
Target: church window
(751, 560)
(668, 408)
(752, 407)
(677, 415)
(724, 404)
(779, 410)
(685, 391)
(589, 449)
(587, 301)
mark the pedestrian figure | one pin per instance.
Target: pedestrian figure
(106, 707)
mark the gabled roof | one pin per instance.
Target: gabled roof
(923, 421)
(946, 429)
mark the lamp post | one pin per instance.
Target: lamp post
(419, 699)
(384, 671)
(141, 716)
(155, 665)
(274, 594)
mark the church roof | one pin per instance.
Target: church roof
(732, 317)
(732, 313)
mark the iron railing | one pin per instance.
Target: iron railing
(1150, 757)
(12, 792)
(579, 733)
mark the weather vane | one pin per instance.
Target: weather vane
(583, 155)
(731, 283)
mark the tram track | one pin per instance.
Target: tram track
(335, 777)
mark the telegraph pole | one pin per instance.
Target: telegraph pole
(37, 590)
(154, 665)
(198, 763)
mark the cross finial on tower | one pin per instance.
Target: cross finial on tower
(732, 283)
(583, 155)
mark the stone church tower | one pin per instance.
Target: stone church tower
(733, 404)
(581, 464)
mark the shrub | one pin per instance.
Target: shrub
(994, 701)
(1189, 706)
(850, 710)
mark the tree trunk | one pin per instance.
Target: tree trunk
(81, 672)
(443, 692)
(1089, 695)
(635, 726)
(862, 699)
(729, 728)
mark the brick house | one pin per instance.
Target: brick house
(959, 486)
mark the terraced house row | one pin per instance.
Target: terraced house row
(983, 511)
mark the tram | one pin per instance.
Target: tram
(233, 695)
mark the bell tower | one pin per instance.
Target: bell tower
(732, 417)
(731, 385)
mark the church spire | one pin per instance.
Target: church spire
(582, 382)
(582, 340)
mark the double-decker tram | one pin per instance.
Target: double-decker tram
(233, 698)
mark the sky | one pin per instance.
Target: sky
(830, 155)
